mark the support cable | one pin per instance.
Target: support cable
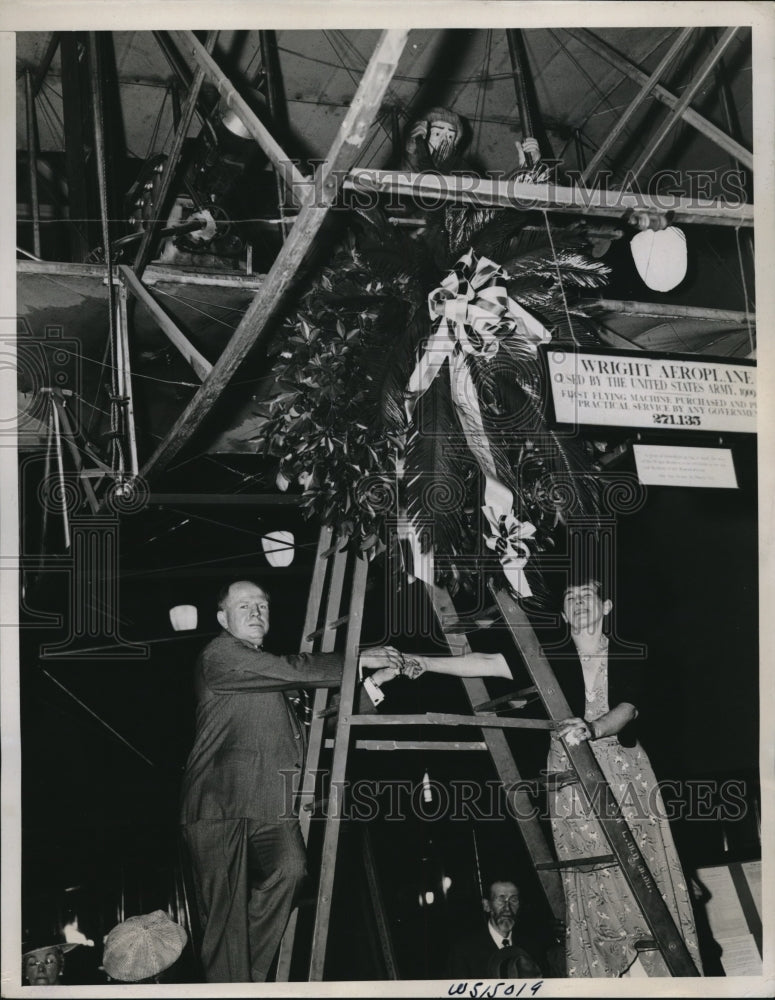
(99, 142)
(745, 292)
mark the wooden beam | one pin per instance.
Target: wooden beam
(254, 323)
(170, 165)
(75, 167)
(689, 115)
(32, 162)
(227, 499)
(628, 308)
(450, 719)
(390, 745)
(686, 98)
(190, 46)
(69, 437)
(153, 275)
(632, 108)
(198, 362)
(577, 200)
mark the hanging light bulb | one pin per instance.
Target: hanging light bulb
(279, 548)
(183, 617)
(659, 252)
(427, 795)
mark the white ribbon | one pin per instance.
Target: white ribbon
(476, 313)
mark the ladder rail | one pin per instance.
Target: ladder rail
(315, 743)
(517, 799)
(338, 773)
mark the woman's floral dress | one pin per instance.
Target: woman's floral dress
(603, 920)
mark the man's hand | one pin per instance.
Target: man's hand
(384, 675)
(379, 657)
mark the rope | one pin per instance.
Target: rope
(476, 858)
(149, 378)
(101, 721)
(203, 312)
(748, 307)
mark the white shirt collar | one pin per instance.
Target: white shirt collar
(496, 935)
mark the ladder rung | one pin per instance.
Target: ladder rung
(505, 698)
(413, 745)
(485, 619)
(444, 719)
(325, 628)
(556, 780)
(468, 625)
(582, 863)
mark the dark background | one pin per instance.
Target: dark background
(99, 821)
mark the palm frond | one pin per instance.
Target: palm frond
(389, 356)
(436, 481)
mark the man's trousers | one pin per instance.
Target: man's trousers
(247, 876)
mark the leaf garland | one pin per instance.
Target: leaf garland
(337, 421)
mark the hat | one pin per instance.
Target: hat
(55, 942)
(45, 942)
(142, 947)
(444, 115)
(512, 963)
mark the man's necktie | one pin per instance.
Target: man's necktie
(506, 943)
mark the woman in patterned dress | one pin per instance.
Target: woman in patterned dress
(603, 921)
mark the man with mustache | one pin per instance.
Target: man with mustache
(475, 955)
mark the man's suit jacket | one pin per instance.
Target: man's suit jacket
(249, 746)
(473, 956)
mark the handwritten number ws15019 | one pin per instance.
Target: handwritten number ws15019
(501, 989)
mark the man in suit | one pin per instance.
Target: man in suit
(238, 811)
(477, 954)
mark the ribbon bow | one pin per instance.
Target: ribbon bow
(508, 541)
(476, 310)
(475, 313)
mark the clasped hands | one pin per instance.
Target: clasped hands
(387, 663)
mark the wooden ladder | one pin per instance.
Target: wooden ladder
(327, 588)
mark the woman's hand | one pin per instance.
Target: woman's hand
(574, 731)
(413, 667)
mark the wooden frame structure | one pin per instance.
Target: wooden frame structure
(316, 196)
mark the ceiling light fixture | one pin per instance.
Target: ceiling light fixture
(659, 251)
(183, 617)
(279, 547)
